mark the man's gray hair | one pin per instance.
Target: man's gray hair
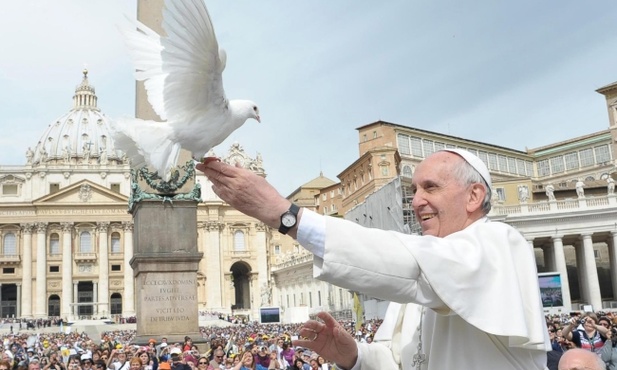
(468, 176)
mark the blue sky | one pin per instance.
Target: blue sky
(516, 74)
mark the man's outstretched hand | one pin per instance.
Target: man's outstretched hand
(246, 191)
(330, 340)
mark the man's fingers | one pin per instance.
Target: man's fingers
(327, 319)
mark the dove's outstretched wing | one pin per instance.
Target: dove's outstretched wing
(183, 70)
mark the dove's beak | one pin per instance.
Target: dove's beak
(258, 119)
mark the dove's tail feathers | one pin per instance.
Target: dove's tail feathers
(147, 142)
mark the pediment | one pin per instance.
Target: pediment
(83, 192)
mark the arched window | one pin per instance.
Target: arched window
(239, 241)
(54, 244)
(407, 172)
(10, 245)
(115, 243)
(85, 242)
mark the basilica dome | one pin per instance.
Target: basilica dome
(79, 137)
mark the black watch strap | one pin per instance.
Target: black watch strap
(293, 210)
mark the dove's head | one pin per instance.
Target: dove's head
(246, 109)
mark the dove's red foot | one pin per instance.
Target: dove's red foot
(207, 160)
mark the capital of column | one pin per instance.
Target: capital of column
(586, 235)
(214, 226)
(102, 226)
(260, 226)
(127, 226)
(41, 227)
(67, 227)
(27, 228)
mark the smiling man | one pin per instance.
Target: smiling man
(468, 286)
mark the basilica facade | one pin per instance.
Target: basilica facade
(66, 237)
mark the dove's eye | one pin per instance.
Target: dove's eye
(255, 108)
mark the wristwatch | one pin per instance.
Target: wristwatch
(289, 219)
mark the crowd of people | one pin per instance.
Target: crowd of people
(253, 346)
(239, 346)
(592, 332)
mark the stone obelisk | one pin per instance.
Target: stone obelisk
(165, 259)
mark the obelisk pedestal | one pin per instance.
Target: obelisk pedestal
(165, 264)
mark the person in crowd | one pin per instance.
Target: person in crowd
(274, 362)
(218, 359)
(117, 360)
(468, 285)
(323, 365)
(135, 364)
(202, 363)
(74, 362)
(149, 361)
(287, 354)
(586, 333)
(86, 362)
(552, 334)
(188, 344)
(298, 364)
(34, 364)
(580, 359)
(262, 358)
(247, 362)
(229, 363)
(608, 353)
(5, 365)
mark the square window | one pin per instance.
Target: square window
(116, 268)
(54, 268)
(9, 189)
(8, 270)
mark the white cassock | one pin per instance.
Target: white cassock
(476, 291)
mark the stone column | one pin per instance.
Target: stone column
(213, 260)
(262, 296)
(95, 298)
(26, 280)
(75, 300)
(103, 291)
(128, 297)
(18, 308)
(67, 270)
(41, 270)
(549, 258)
(561, 267)
(612, 252)
(591, 272)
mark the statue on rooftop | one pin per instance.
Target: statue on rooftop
(550, 192)
(580, 191)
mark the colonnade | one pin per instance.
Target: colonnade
(555, 260)
(35, 240)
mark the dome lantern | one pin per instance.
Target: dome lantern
(85, 96)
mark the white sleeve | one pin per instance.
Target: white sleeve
(374, 356)
(312, 232)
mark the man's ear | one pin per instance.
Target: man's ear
(476, 197)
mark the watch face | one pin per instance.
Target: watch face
(288, 220)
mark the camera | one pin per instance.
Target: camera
(582, 321)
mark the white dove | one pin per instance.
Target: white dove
(184, 82)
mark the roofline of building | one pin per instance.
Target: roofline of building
(444, 135)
